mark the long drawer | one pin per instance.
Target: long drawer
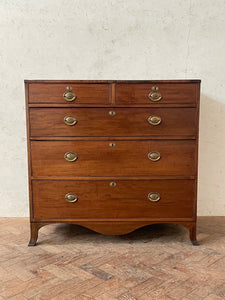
(75, 93)
(122, 199)
(109, 158)
(46, 122)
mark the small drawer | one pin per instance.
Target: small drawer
(78, 122)
(63, 93)
(123, 199)
(153, 93)
(113, 158)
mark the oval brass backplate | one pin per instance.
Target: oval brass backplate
(113, 184)
(70, 120)
(154, 156)
(69, 95)
(70, 197)
(155, 94)
(70, 156)
(154, 197)
(154, 120)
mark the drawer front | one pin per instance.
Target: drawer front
(127, 199)
(58, 93)
(47, 122)
(107, 158)
(181, 93)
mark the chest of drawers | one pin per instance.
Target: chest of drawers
(112, 156)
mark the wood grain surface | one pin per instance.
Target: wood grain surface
(97, 158)
(171, 93)
(85, 93)
(128, 199)
(47, 122)
(101, 207)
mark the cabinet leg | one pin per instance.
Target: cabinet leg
(192, 234)
(34, 227)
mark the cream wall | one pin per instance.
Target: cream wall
(101, 39)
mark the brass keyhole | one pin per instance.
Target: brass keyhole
(112, 145)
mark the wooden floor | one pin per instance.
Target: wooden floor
(71, 262)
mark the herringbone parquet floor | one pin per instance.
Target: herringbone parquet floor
(71, 262)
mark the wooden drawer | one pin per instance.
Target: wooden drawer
(46, 122)
(128, 199)
(98, 158)
(53, 93)
(176, 93)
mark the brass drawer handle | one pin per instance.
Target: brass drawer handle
(70, 120)
(70, 156)
(70, 197)
(154, 197)
(154, 120)
(112, 113)
(154, 156)
(113, 184)
(155, 95)
(69, 95)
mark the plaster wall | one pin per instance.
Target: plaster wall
(95, 39)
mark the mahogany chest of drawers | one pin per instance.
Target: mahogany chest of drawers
(112, 155)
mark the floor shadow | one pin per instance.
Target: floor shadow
(67, 233)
